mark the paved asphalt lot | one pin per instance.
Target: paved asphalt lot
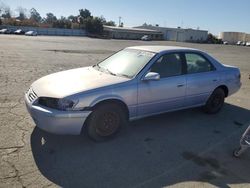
(186, 148)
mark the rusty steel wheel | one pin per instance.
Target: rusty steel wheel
(108, 123)
(105, 121)
(215, 101)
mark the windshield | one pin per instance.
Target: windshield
(126, 63)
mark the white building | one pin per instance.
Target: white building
(179, 34)
(234, 37)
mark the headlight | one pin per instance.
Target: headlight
(66, 104)
(59, 104)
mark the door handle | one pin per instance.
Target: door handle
(180, 85)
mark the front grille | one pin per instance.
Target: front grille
(32, 96)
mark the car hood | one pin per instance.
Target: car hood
(65, 83)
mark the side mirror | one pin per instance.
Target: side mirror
(151, 76)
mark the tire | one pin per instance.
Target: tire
(105, 121)
(215, 101)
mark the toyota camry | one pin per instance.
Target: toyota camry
(133, 83)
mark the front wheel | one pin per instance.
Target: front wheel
(215, 101)
(105, 121)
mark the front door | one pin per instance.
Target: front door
(168, 92)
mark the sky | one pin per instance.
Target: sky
(212, 15)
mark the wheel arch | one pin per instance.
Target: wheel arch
(97, 103)
(224, 88)
(115, 100)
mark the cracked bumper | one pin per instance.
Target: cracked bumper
(55, 121)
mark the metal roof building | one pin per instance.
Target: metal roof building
(131, 33)
(179, 34)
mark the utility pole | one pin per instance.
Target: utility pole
(120, 18)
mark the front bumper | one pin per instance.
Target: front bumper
(55, 121)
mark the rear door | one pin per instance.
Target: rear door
(202, 79)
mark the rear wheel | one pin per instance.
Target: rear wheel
(215, 101)
(105, 121)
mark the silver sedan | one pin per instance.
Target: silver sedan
(133, 83)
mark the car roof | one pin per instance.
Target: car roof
(158, 49)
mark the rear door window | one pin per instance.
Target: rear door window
(197, 63)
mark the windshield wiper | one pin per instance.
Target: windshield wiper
(101, 68)
(117, 74)
(123, 75)
(96, 65)
(110, 72)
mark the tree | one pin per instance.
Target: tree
(94, 25)
(6, 12)
(104, 22)
(50, 18)
(22, 13)
(73, 19)
(21, 16)
(85, 13)
(213, 39)
(34, 15)
(110, 23)
(62, 23)
(1, 8)
(102, 19)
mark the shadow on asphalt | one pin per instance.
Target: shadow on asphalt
(163, 150)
